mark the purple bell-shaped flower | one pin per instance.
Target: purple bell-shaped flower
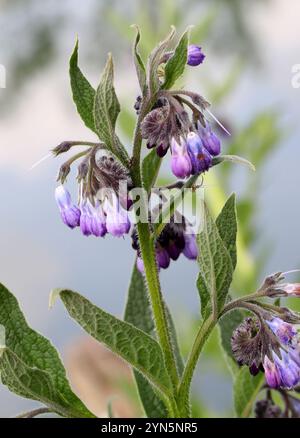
(209, 140)
(200, 158)
(180, 163)
(70, 214)
(117, 220)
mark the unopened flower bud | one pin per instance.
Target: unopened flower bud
(195, 55)
(65, 146)
(63, 172)
(82, 170)
(292, 289)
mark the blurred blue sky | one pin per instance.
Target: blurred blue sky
(39, 253)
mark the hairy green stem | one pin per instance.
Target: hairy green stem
(184, 388)
(34, 413)
(148, 255)
(151, 272)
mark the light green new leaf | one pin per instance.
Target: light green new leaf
(139, 65)
(133, 345)
(106, 106)
(83, 92)
(245, 390)
(176, 64)
(26, 354)
(138, 313)
(154, 61)
(215, 265)
(227, 226)
(150, 168)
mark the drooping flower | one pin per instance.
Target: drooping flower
(176, 238)
(92, 220)
(180, 163)
(292, 289)
(190, 249)
(200, 158)
(117, 220)
(104, 185)
(70, 214)
(283, 330)
(209, 140)
(195, 55)
(267, 409)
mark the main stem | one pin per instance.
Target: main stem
(158, 307)
(184, 388)
(151, 272)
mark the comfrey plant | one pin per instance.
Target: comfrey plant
(115, 191)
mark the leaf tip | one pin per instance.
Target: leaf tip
(54, 294)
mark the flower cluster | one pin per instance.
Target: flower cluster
(193, 144)
(101, 208)
(268, 408)
(271, 345)
(177, 237)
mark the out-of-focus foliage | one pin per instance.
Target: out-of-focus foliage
(35, 39)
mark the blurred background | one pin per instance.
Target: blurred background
(246, 76)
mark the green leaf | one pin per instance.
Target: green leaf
(155, 60)
(150, 168)
(83, 92)
(106, 106)
(227, 226)
(132, 344)
(138, 312)
(30, 365)
(139, 65)
(245, 390)
(174, 341)
(233, 159)
(227, 324)
(215, 264)
(176, 64)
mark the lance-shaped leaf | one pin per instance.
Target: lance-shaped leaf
(132, 344)
(150, 168)
(233, 159)
(227, 226)
(176, 64)
(83, 92)
(155, 60)
(106, 106)
(215, 264)
(30, 365)
(138, 62)
(245, 390)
